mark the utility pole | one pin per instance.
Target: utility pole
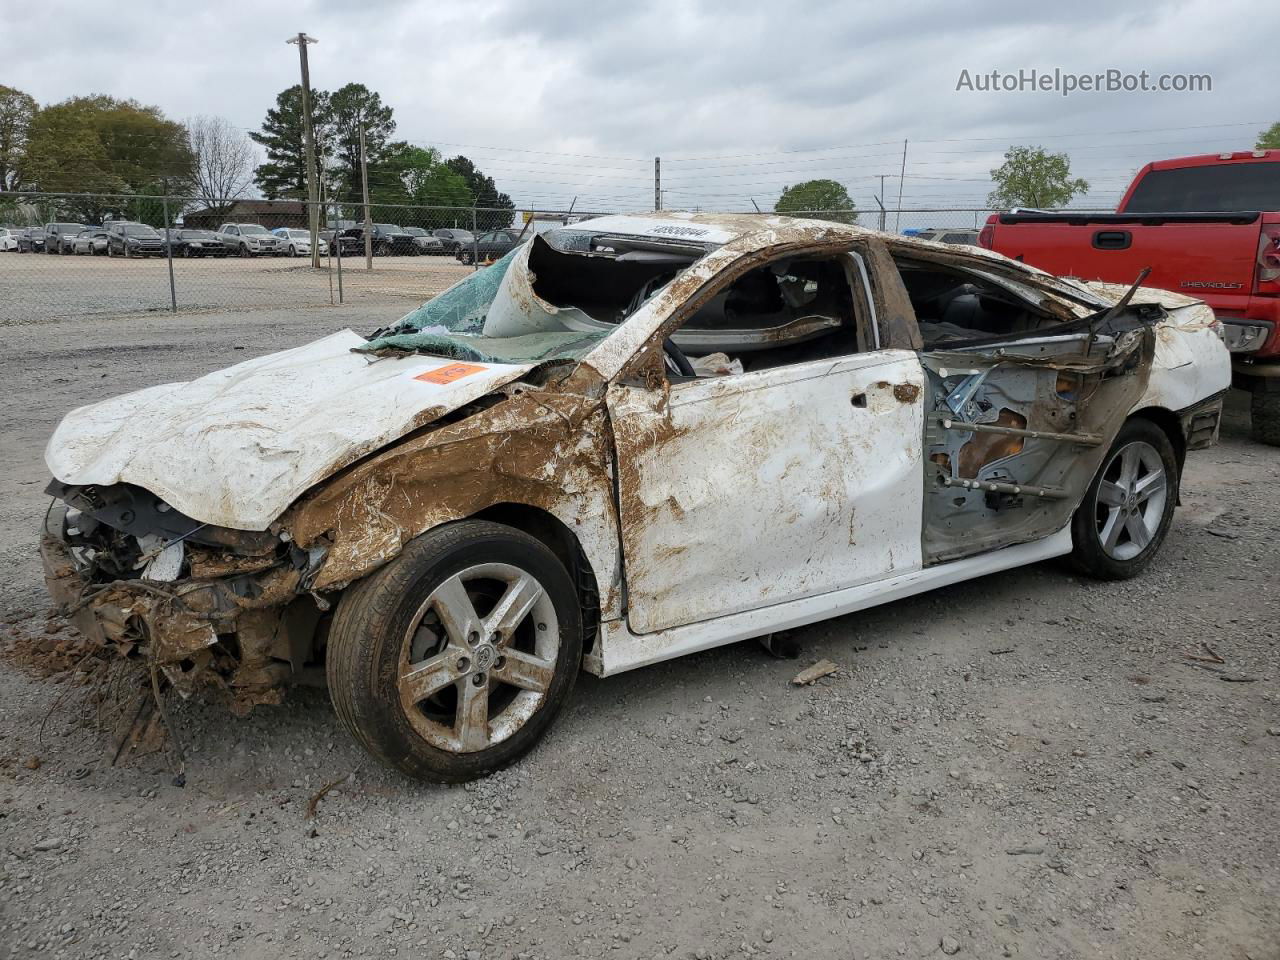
(368, 220)
(309, 141)
(657, 183)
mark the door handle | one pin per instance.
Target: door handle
(1112, 240)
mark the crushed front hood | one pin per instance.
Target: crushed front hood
(236, 447)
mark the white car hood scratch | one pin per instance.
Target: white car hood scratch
(236, 447)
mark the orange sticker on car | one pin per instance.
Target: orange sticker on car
(450, 372)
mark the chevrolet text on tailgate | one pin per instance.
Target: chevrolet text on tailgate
(1207, 226)
(627, 440)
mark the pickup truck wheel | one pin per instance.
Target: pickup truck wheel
(451, 661)
(1126, 513)
(1264, 417)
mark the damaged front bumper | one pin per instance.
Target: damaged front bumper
(243, 625)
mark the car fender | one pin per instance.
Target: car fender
(546, 449)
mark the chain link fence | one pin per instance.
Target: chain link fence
(66, 256)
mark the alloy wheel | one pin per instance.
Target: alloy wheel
(479, 657)
(1131, 499)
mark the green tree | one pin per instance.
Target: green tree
(1268, 139)
(1033, 177)
(417, 175)
(98, 144)
(351, 107)
(822, 199)
(495, 207)
(284, 174)
(17, 110)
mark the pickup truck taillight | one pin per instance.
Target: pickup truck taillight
(1267, 279)
(987, 236)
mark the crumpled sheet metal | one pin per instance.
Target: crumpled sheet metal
(236, 447)
(537, 448)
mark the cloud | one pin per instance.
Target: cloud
(540, 92)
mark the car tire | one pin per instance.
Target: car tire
(1264, 417)
(468, 258)
(243, 250)
(1128, 509)
(398, 617)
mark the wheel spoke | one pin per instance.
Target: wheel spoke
(1138, 533)
(514, 606)
(430, 676)
(1110, 532)
(1149, 486)
(1110, 494)
(1129, 461)
(473, 714)
(457, 612)
(524, 671)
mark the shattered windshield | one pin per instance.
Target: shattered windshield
(554, 297)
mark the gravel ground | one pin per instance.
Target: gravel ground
(41, 288)
(1028, 765)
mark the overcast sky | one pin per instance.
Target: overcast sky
(564, 99)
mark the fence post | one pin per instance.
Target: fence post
(475, 243)
(337, 240)
(168, 248)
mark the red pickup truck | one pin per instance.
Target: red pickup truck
(1208, 227)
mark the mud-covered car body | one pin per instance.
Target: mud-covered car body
(864, 417)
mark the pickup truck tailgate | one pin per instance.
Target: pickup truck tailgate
(1208, 255)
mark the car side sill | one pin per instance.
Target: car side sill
(619, 650)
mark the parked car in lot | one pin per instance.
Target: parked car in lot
(298, 242)
(347, 246)
(194, 243)
(489, 246)
(31, 240)
(949, 235)
(129, 239)
(92, 241)
(250, 240)
(572, 459)
(387, 239)
(451, 238)
(57, 236)
(1207, 226)
(424, 242)
(9, 239)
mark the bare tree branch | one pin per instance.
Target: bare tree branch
(224, 159)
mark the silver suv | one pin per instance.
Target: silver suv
(250, 240)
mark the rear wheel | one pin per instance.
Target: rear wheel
(1264, 416)
(1126, 513)
(450, 662)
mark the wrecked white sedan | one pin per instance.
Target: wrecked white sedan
(630, 439)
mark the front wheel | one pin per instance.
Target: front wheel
(1127, 511)
(451, 661)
